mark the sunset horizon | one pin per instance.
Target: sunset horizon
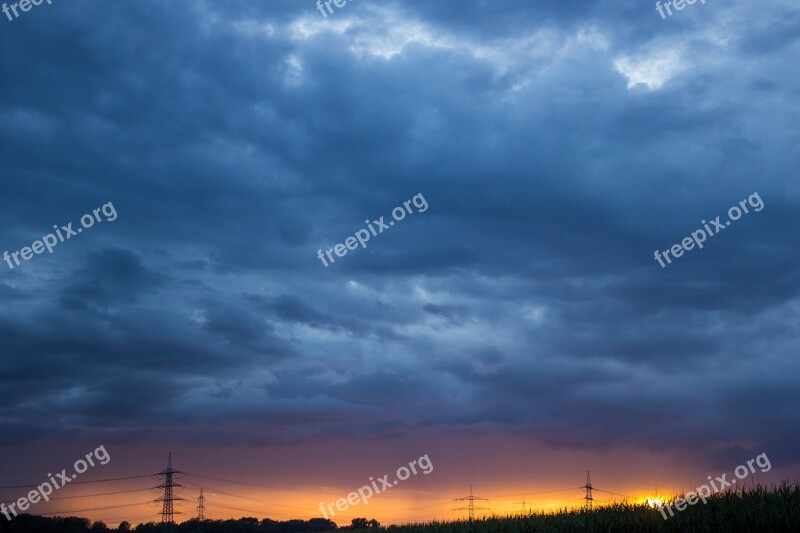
(233, 490)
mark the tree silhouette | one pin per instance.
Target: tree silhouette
(363, 523)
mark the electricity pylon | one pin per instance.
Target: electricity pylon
(471, 507)
(201, 506)
(167, 500)
(587, 505)
(524, 506)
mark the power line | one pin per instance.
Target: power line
(216, 491)
(98, 494)
(130, 519)
(256, 513)
(257, 485)
(439, 504)
(89, 510)
(551, 491)
(111, 479)
(614, 493)
(35, 485)
(168, 498)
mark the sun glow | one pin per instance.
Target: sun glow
(655, 502)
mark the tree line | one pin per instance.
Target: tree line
(39, 524)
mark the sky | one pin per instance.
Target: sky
(515, 324)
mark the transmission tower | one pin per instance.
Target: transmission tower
(587, 505)
(523, 504)
(201, 506)
(471, 507)
(167, 510)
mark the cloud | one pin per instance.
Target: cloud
(558, 145)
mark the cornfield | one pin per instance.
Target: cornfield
(757, 509)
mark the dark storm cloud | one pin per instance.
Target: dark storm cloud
(558, 144)
(109, 277)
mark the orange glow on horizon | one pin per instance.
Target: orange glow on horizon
(401, 507)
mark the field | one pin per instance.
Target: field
(754, 510)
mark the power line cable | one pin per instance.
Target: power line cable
(90, 510)
(258, 485)
(72, 482)
(99, 494)
(552, 491)
(217, 491)
(256, 513)
(614, 493)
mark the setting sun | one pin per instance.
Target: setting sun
(655, 502)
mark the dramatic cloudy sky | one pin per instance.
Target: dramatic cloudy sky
(519, 331)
